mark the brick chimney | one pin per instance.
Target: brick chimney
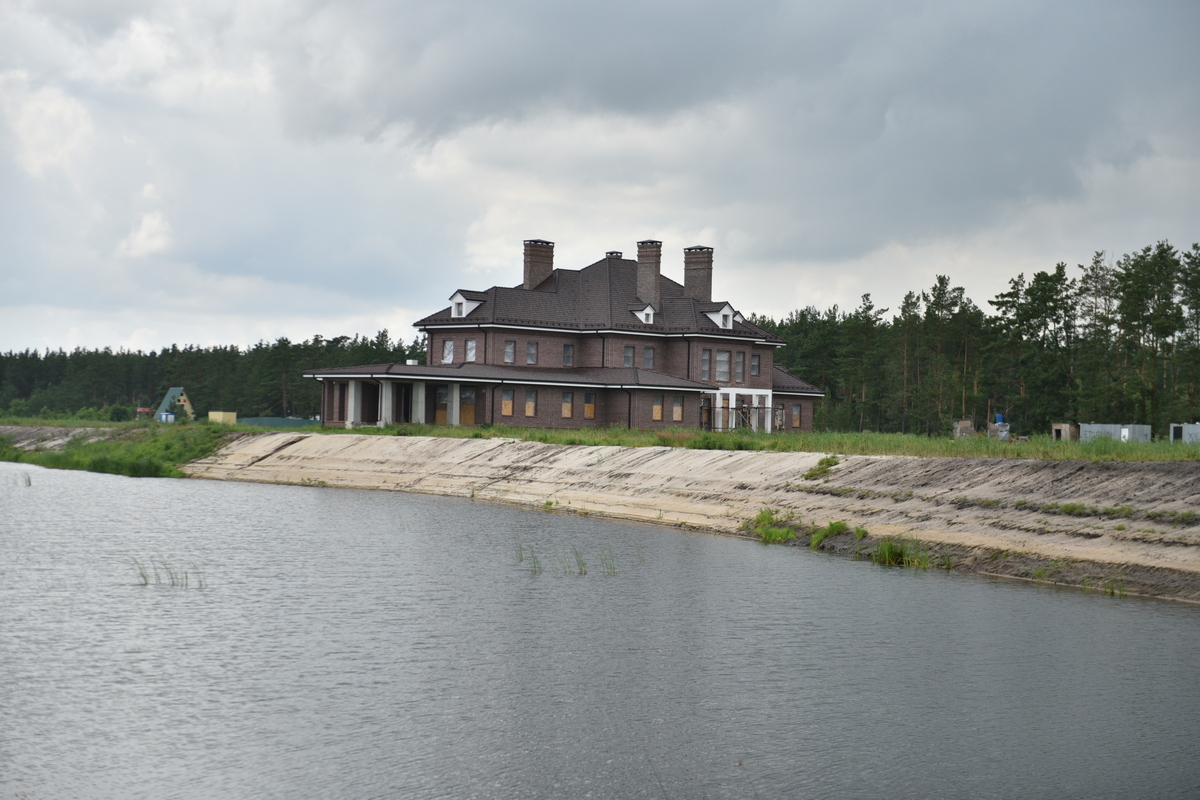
(539, 262)
(649, 267)
(697, 273)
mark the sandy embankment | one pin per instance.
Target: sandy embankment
(987, 514)
(46, 437)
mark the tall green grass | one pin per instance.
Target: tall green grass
(140, 452)
(899, 444)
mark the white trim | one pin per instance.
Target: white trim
(601, 331)
(402, 378)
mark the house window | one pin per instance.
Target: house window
(568, 355)
(796, 416)
(531, 353)
(568, 405)
(589, 405)
(656, 409)
(470, 355)
(531, 402)
(629, 356)
(725, 323)
(510, 351)
(506, 402)
(677, 408)
(754, 364)
(448, 351)
(723, 365)
(458, 309)
(739, 366)
(648, 358)
(706, 365)
(649, 317)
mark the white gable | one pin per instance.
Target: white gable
(461, 306)
(646, 315)
(725, 317)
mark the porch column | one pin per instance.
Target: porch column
(452, 402)
(770, 418)
(354, 404)
(418, 402)
(754, 398)
(386, 400)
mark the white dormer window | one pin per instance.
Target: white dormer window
(724, 317)
(460, 306)
(646, 315)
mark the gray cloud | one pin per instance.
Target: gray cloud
(384, 153)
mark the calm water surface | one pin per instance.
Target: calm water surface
(353, 644)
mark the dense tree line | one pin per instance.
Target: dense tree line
(1117, 341)
(263, 380)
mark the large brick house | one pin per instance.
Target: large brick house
(614, 343)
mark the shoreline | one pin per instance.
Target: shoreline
(1124, 528)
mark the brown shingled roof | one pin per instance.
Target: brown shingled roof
(496, 373)
(784, 382)
(597, 297)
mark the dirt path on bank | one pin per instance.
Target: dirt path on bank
(1126, 525)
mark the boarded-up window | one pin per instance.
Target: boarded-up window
(628, 356)
(466, 405)
(648, 358)
(589, 405)
(723, 365)
(706, 365)
(531, 353)
(441, 405)
(568, 405)
(755, 363)
(506, 403)
(448, 351)
(677, 409)
(739, 366)
(796, 416)
(568, 355)
(531, 402)
(470, 354)
(510, 351)
(656, 409)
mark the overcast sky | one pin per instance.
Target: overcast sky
(226, 171)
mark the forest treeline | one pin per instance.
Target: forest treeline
(1110, 341)
(263, 380)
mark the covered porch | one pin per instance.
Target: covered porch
(736, 407)
(356, 403)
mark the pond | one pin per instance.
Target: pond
(354, 644)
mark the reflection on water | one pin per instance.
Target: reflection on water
(356, 644)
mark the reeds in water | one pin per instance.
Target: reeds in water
(160, 571)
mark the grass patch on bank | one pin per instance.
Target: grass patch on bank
(139, 451)
(897, 444)
(771, 529)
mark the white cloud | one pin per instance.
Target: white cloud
(51, 129)
(151, 234)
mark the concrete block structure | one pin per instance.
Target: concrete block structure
(1064, 432)
(614, 343)
(1186, 433)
